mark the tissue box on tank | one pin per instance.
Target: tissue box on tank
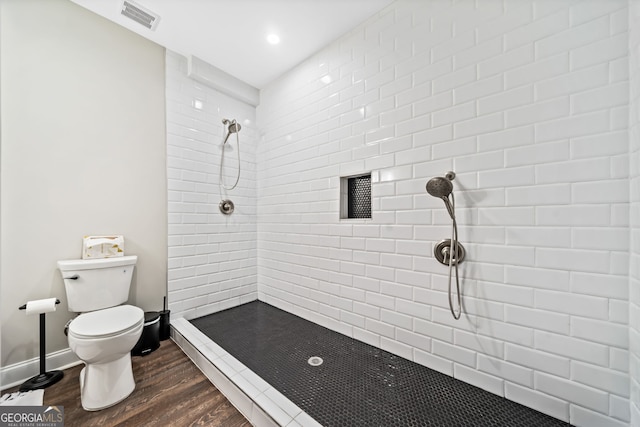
(102, 247)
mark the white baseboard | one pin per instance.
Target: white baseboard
(18, 373)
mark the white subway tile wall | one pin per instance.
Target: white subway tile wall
(528, 102)
(212, 257)
(634, 251)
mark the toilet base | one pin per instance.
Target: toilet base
(105, 384)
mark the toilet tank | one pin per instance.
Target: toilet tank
(94, 284)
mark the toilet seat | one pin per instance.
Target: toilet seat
(106, 323)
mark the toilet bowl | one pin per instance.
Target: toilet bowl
(106, 330)
(103, 340)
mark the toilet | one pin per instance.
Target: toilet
(106, 330)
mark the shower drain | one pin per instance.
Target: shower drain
(315, 361)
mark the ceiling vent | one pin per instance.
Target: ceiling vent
(139, 14)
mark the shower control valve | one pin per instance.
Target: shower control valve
(226, 206)
(443, 251)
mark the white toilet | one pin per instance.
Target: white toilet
(103, 335)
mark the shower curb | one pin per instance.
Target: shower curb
(259, 402)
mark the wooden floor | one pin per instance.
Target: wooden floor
(170, 391)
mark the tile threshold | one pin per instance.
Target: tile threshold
(259, 402)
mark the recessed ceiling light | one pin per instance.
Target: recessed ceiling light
(273, 39)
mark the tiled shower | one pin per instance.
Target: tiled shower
(534, 105)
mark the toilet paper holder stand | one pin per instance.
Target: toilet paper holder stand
(44, 379)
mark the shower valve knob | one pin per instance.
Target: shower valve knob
(446, 252)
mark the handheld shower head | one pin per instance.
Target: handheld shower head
(441, 188)
(233, 127)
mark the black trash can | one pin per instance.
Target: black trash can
(150, 339)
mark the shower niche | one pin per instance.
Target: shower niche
(355, 196)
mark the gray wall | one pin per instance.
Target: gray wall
(82, 152)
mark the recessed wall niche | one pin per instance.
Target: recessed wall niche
(355, 196)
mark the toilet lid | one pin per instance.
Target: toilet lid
(108, 322)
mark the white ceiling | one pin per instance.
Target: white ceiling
(231, 34)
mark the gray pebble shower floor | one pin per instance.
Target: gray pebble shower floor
(357, 384)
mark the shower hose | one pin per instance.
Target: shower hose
(221, 178)
(453, 252)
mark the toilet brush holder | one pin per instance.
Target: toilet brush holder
(165, 324)
(44, 379)
(165, 321)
